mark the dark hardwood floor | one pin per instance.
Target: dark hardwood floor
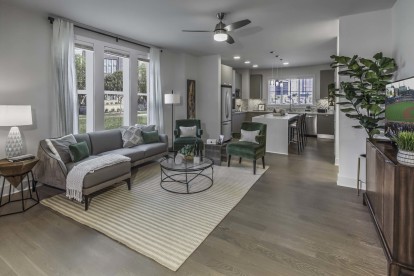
(294, 221)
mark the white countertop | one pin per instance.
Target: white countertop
(270, 116)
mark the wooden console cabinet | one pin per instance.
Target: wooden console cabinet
(390, 199)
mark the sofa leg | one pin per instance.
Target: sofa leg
(254, 166)
(263, 162)
(86, 198)
(240, 160)
(128, 181)
(228, 160)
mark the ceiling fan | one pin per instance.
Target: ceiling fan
(221, 30)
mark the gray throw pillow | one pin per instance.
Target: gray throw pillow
(188, 131)
(249, 136)
(146, 128)
(60, 147)
(132, 137)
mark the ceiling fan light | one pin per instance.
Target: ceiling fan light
(220, 35)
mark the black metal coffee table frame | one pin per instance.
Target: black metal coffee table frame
(190, 174)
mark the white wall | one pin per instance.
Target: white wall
(289, 72)
(403, 24)
(208, 97)
(25, 71)
(362, 34)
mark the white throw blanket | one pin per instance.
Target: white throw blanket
(74, 180)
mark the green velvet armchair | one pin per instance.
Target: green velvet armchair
(249, 150)
(180, 142)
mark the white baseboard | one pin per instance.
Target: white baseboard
(349, 182)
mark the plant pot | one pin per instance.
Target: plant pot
(406, 157)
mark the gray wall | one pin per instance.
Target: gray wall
(25, 71)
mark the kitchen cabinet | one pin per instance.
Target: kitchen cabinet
(236, 121)
(326, 125)
(256, 83)
(390, 198)
(226, 75)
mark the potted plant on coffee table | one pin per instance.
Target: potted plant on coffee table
(405, 144)
(363, 94)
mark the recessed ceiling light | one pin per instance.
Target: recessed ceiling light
(255, 66)
(236, 57)
(285, 63)
(247, 62)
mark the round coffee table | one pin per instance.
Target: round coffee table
(187, 177)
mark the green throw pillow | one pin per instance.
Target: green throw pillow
(79, 151)
(150, 137)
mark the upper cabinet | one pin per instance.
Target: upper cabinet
(226, 75)
(256, 83)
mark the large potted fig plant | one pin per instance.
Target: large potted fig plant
(363, 93)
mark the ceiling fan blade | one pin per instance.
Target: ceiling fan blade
(196, 31)
(237, 25)
(229, 40)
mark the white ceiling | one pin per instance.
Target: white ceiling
(303, 32)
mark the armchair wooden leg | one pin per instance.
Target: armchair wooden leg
(228, 160)
(254, 166)
(263, 162)
(240, 160)
(128, 181)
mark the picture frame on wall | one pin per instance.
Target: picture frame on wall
(191, 99)
(261, 107)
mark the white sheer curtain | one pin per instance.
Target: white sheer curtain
(64, 78)
(155, 113)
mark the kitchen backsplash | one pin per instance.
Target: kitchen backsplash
(252, 105)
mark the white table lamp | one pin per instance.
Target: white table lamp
(172, 99)
(15, 116)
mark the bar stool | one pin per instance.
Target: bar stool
(359, 181)
(297, 133)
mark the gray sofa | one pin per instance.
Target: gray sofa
(51, 171)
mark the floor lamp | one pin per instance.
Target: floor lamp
(172, 99)
(14, 116)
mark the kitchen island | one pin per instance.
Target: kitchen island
(277, 137)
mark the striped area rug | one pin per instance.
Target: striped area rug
(163, 226)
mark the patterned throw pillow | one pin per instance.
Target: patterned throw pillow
(60, 147)
(249, 136)
(132, 136)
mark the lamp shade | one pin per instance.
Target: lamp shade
(15, 115)
(171, 98)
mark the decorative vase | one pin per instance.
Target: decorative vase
(406, 157)
(179, 158)
(196, 160)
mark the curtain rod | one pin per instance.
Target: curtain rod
(51, 19)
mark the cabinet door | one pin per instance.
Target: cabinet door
(326, 124)
(379, 189)
(256, 86)
(388, 198)
(371, 172)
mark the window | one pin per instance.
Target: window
(84, 86)
(115, 87)
(142, 108)
(295, 91)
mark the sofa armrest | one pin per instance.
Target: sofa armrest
(163, 138)
(49, 170)
(261, 139)
(236, 135)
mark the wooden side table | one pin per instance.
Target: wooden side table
(15, 173)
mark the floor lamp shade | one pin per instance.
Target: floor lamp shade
(15, 116)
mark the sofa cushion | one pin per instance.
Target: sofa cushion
(188, 131)
(135, 153)
(60, 147)
(106, 140)
(245, 149)
(70, 165)
(102, 175)
(153, 149)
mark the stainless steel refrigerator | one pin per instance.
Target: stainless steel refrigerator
(226, 98)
